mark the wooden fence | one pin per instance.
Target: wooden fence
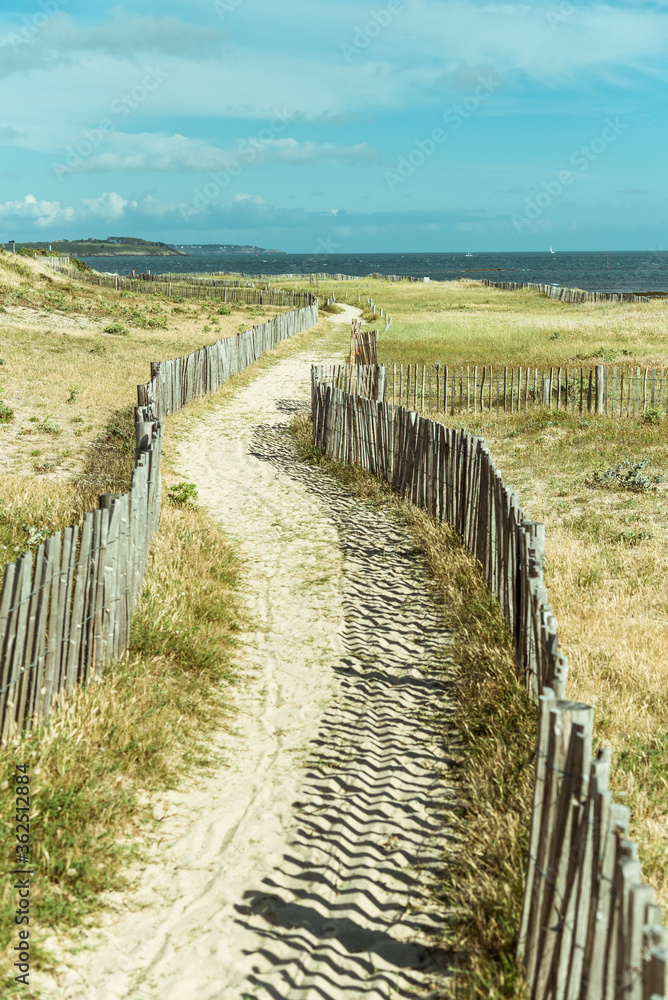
(174, 383)
(363, 345)
(564, 294)
(590, 928)
(610, 390)
(315, 276)
(65, 611)
(183, 287)
(55, 263)
(212, 282)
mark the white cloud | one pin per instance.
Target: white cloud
(253, 199)
(242, 211)
(431, 54)
(161, 152)
(61, 41)
(41, 212)
(109, 206)
(124, 32)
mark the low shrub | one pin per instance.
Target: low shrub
(628, 475)
(183, 494)
(80, 265)
(651, 416)
(47, 426)
(331, 308)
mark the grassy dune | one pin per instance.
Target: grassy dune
(606, 549)
(607, 546)
(72, 356)
(462, 322)
(151, 716)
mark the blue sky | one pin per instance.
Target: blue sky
(401, 126)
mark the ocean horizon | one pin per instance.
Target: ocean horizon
(594, 271)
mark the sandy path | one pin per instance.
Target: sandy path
(301, 869)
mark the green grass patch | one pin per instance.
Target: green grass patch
(146, 722)
(330, 308)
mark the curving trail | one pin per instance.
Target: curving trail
(302, 869)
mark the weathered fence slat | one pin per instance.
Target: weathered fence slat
(590, 929)
(61, 622)
(14, 642)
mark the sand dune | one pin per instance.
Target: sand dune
(302, 868)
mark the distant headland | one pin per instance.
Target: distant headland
(222, 248)
(131, 246)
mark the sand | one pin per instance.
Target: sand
(303, 867)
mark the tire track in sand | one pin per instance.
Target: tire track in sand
(302, 870)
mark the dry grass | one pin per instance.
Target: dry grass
(32, 507)
(63, 376)
(607, 562)
(462, 322)
(482, 881)
(136, 732)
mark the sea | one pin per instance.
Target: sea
(594, 271)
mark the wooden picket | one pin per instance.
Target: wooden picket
(66, 614)
(440, 388)
(590, 928)
(183, 286)
(564, 294)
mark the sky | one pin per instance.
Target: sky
(321, 126)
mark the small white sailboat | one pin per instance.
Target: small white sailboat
(551, 250)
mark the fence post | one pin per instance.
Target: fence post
(599, 389)
(589, 928)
